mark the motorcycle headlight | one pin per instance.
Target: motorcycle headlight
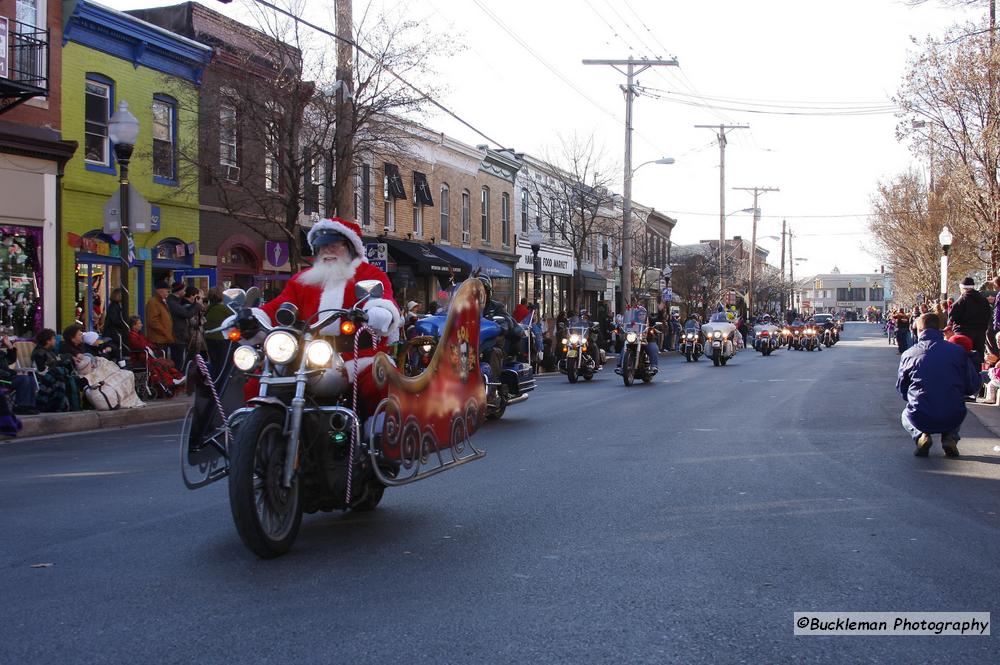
(574, 339)
(319, 353)
(785, 331)
(690, 335)
(427, 348)
(280, 347)
(810, 331)
(245, 358)
(565, 341)
(631, 338)
(717, 334)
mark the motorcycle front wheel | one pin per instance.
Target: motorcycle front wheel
(628, 372)
(717, 357)
(571, 374)
(267, 516)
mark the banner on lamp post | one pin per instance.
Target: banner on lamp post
(944, 276)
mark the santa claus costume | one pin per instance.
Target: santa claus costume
(329, 284)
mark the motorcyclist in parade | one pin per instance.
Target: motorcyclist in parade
(635, 315)
(593, 348)
(510, 331)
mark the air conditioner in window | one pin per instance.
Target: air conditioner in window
(231, 173)
(466, 239)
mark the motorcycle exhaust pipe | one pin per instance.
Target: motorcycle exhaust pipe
(517, 400)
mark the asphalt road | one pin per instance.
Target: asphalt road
(683, 521)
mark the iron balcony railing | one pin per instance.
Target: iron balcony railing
(27, 70)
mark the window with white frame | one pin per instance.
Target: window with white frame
(524, 210)
(97, 110)
(164, 138)
(228, 152)
(418, 220)
(485, 214)
(362, 195)
(272, 173)
(552, 218)
(390, 215)
(466, 216)
(445, 211)
(505, 219)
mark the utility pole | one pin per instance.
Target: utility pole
(343, 187)
(784, 222)
(633, 69)
(757, 191)
(791, 268)
(721, 134)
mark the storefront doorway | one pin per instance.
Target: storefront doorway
(20, 280)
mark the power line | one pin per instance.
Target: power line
(834, 216)
(388, 70)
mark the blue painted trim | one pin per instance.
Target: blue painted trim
(167, 182)
(126, 37)
(97, 168)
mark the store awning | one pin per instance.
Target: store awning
(473, 259)
(593, 281)
(423, 258)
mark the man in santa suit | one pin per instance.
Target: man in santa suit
(329, 284)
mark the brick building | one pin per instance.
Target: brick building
(32, 157)
(241, 183)
(111, 57)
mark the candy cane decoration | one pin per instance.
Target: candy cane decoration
(354, 402)
(203, 368)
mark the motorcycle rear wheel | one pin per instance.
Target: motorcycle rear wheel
(266, 515)
(497, 412)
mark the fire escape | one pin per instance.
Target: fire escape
(24, 63)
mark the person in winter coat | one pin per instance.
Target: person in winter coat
(115, 326)
(218, 345)
(159, 324)
(934, 378)
(971, 316)
(181, 310)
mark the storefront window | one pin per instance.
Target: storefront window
(20, 280)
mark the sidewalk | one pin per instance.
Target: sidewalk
(988, 415)
(47, 424)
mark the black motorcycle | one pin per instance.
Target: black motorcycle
(578, 346)
(635, 359)
(692, 344)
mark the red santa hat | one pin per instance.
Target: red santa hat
(349, 230)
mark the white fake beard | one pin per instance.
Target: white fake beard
(328, 271)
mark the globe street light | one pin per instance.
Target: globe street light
(123, 130)
(945, 238)
(627, 227)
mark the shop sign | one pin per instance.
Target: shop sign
(276, 253)
(552, 262)
(377, 254)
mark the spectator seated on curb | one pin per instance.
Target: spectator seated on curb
(934, 378)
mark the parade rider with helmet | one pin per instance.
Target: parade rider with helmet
(635, 315)
(339, 264)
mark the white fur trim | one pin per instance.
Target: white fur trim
(389, 306)
(363, 364)
(350, 234)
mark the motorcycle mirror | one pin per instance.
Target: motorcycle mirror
(368, 288)
(234, 299)
(253, 296)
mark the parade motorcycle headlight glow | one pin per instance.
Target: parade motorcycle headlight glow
(631, 338)
(565, 341)
(245, 357)
(319, 353)
(717, 334)
(280, 347)
(786, 331)
(574, 339)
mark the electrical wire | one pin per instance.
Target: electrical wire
(388, 70)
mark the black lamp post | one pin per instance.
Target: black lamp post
(123, 130)
(535, 238)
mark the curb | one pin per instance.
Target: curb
(48, 424)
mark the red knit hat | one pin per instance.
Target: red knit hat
(963, 341)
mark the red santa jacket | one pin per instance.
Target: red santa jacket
(313, 298)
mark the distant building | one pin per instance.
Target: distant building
(837, 292)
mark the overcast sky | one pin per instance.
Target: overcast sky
(521, 81)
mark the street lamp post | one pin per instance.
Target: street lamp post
(945, 238)
(535, 239)
(123, 130)
(627, 219)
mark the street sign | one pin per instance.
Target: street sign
(668, 294)
(377, 254)
(140, 213)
